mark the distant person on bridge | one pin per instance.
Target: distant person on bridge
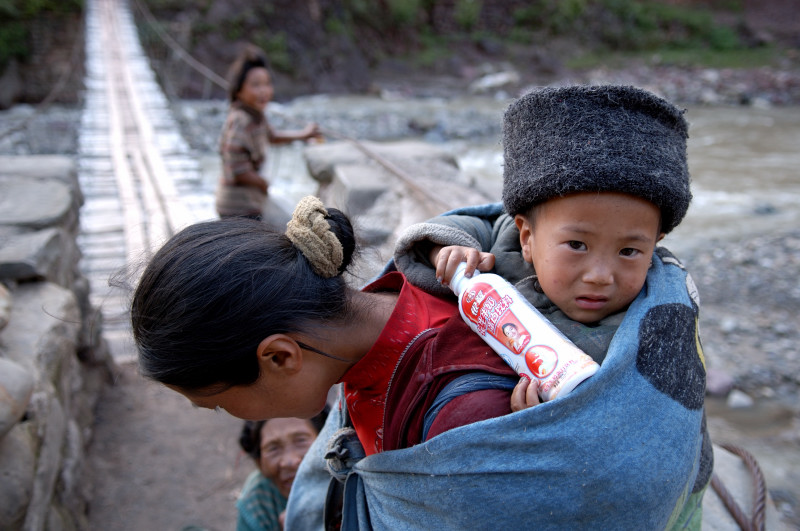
(242, 190)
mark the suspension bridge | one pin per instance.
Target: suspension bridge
(139, 177)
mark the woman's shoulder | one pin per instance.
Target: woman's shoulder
(256, 485)
(259, 504)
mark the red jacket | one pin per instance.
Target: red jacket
(430, 363)
(423, 347)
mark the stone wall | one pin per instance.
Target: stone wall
(53, 359)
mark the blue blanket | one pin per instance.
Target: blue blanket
(627, 449)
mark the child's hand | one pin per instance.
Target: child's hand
(312, 132)
(446, 260)
(525, 395)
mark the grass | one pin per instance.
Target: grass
(688, 57)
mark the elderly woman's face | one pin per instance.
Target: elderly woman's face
(284, 442)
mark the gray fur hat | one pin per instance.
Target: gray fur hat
(558, 141)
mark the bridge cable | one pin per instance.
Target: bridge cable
(757, 521)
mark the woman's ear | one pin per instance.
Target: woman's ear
(525, 236)
(279, 353)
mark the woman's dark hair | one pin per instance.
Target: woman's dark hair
(216, 289)
(250, 57)
(250, 437)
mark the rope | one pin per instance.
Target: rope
(758, 520)
(179, 51)
(55, 91)
(421, 192)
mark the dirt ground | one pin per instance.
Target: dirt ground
(156, 463)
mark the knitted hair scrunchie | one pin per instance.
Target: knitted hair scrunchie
(309, 231)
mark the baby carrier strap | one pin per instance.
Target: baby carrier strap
(344, 449)
(466, 383)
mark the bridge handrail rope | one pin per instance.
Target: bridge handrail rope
(59, 85)
(758, 519)
(178, 49)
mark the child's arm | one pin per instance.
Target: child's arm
(446, 260)
(284, 137)
(525, 395)
(415, 247)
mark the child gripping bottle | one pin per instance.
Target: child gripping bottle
(522, 336)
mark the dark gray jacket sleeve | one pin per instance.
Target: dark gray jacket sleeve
(415, 243)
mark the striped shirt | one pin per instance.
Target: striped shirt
(243, 146)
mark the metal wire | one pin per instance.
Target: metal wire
(758, 520)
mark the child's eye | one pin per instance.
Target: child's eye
(629, 252)
(575, 244)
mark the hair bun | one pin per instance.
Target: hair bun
(311, 233)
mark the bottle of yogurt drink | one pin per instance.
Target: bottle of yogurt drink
(520, 334)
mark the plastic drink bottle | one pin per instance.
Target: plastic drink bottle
(520, 334)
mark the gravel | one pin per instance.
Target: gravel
(750, 312)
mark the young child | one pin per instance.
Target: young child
(277, 447)
(242, 190)
(594, 177)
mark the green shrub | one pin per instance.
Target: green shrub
(554, 16)
(404, 12)
(467, 13)
(15, 20)
(628, 24)
(277, 50)
(13, 42)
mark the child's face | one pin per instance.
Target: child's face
(284, 442)
(591, 251)
(256, 91)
